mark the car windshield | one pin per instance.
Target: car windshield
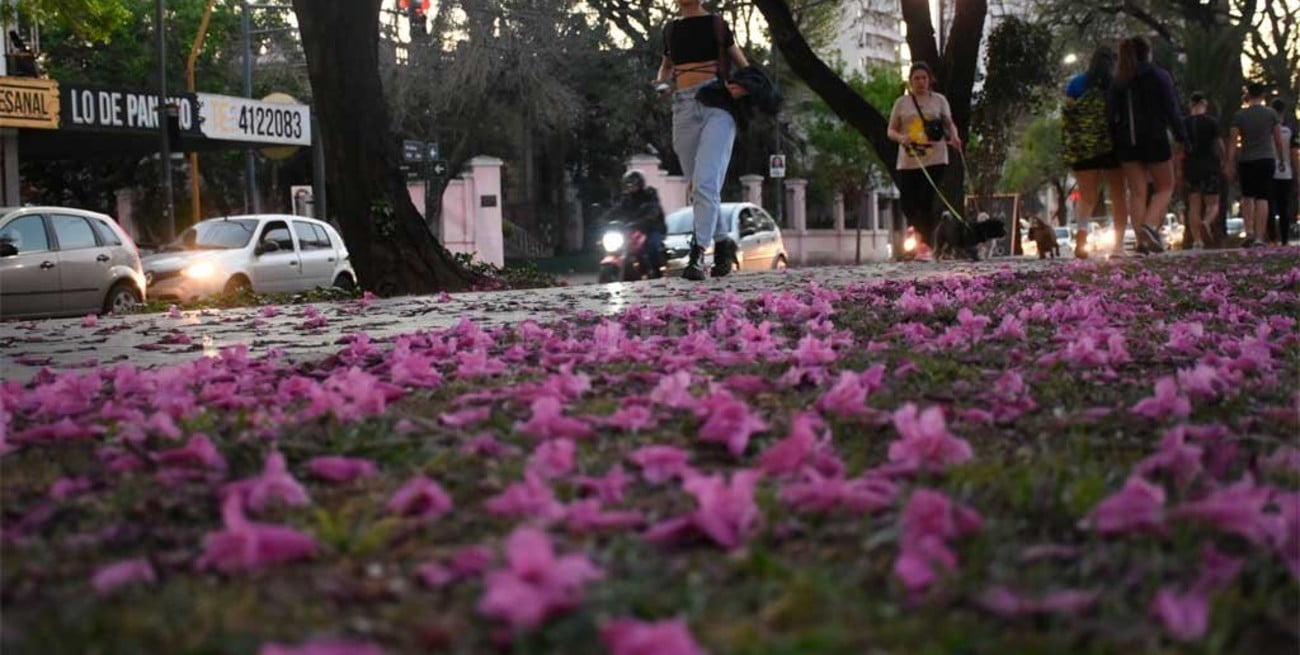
(215, 235)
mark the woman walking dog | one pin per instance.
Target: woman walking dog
(921, 123)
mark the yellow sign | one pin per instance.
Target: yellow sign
(29, 103)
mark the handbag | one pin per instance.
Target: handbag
(934, 130)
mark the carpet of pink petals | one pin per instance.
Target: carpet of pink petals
(1105, 453)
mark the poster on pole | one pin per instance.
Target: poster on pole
(776, 166)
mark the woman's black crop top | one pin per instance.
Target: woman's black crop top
(694, 39)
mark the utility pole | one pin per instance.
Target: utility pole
(164, 145)
(779, 190)
(196, 206)
(252, 203)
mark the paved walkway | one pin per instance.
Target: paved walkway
(306, 332)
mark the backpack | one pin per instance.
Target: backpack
(1085, 127)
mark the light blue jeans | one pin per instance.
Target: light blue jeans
(703, 137)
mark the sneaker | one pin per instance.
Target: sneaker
(1153, 239)
(1248, 243)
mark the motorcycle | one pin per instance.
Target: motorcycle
(627, 257)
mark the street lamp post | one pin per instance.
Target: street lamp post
(164, 143)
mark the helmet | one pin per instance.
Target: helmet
(633, 181)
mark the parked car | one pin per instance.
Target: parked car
(1064, 239)
(270, 253)
(58, 261)
(761, 247)
(1235, 227)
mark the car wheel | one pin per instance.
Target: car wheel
(781, 264)
(345, 282)
(122, 298)
(238, 284)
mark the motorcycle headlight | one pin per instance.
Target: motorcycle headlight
(909, 244)
(200, 271)
(612, 241)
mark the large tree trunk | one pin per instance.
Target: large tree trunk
(840, 97)
(392, 249)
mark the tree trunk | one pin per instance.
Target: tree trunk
(391, 248)
(839, 96)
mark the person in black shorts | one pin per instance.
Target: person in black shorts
(1202, 171)
(1257, 135)
(1144, 111)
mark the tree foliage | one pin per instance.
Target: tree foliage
(1021, 79)
(1038, 160)
(840, 157)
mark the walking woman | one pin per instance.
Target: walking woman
(1145, 109)
(1089, 148)
(921, 123)
(1202, 170)
(1255, 149)
(699, 48)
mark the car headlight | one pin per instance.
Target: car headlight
(200, 271)
(612, 241)
(909, 244)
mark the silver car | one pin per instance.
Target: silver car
(267, 253)
(57, 261)
(760, 246)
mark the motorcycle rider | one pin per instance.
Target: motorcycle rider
(641, 210)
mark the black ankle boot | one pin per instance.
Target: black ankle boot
(724, 257)
(695, 265)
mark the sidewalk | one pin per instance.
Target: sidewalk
(304, 332)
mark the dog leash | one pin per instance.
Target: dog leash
(934, 186)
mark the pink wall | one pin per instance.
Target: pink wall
(471, 211)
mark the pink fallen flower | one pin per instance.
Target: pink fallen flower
(548, 422)
(126, 572)
(1138, 506)
(471, 560)
(631, 418)
(926, 524)
(1186, 616)
(607, 488)
(1166, 402)
(530, 498)
(197, 453)
(1237, 509)
(673, 391)
(926, 442)
(1176, 456)
(322, 647)
(465, 417)
(728, 421)
(632, 637)
(1008, 604)
(341, 469)
(726, 513)
(434, 575)
(552, 459)
(826, 494)
(588, 516)
(848, 396)
(1285, 459)
(420, 497)
(1286, 542)
(660, 463)
(275, 484)
(65, 488)
(802, 449)
(247, 546)
(535, 584)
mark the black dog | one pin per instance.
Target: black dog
(956, 237)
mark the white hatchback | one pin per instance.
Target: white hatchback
(268, 253)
